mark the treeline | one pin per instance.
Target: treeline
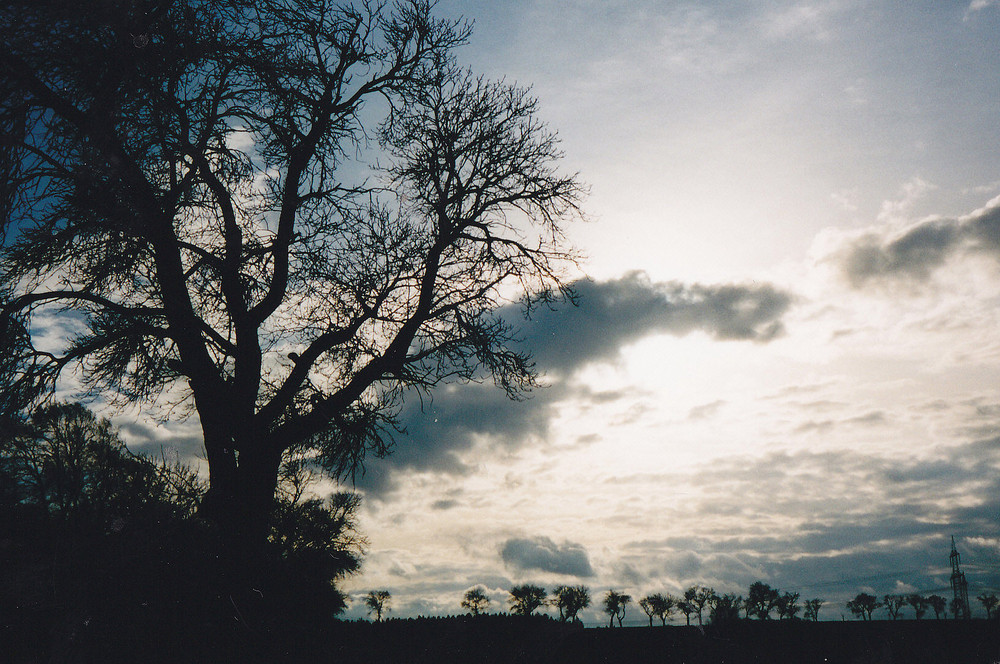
(761, 601)
(704, 604)
(864, 605)
(105, 549)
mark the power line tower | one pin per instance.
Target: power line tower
(959, 586)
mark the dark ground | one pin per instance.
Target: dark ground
(502, 639)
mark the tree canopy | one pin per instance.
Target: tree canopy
(285, 217)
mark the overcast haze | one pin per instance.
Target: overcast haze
(785, 361)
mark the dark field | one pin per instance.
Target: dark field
(499, 639)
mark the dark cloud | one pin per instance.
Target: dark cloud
(612, 314)
(542, 554)
(914, 254)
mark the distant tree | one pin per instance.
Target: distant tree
(863, 605)
(812, 609)
(939, 605)
(475, 601)
(989, 603)
(378, 601)
(687, 608)
(570, 600)
(658, 605)
(524, 599)
(648, 607)
(787, 605)
(614, 606)
(893, 604)
(724, 608)
(761, 599)
(919, 604)
(698, 597)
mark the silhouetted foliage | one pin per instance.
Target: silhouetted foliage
(476, 601)
(524, 599)
(687, 608)
(812, 607)
(378, 601)
(99, 537)
(918, 603)
(893, 604)
(863, 605)
(989, 603)
(939, 605)
(570, 600)
(725, 609)
(658, 605)
(698, 597)
(614, 606)
(193, 186)
(761, 599)
(787, 605)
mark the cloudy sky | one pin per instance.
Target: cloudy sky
(785, 363)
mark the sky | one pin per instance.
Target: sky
(785, 362)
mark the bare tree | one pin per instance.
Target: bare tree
(893, 604)
(570, 600)
(698, 597)
(476, 601)
(193, 208)
(378, 601)
(812, 608)
(524, 599)
(687, 608)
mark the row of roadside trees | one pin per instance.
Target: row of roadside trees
(864, 605)
(761, 602)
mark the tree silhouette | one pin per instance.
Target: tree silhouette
(378, 601)
(476, 601)
(687, 608)
(698, 597)
(570, 600)
(938, 604)
(524, 599)
(919, 604)
(761, 598)
(725, 608)
(658, 605)
(191, 207)
(893, 604)
(787, 605)
(97, 529)
(957, 608)
(614, 606)
(812, 608)
(989, 603)
(863, 605)
(72, 465)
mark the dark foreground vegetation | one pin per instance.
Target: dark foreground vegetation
(150, 636)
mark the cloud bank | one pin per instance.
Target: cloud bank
(543, 555)
(915, 253)
(610, 315)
